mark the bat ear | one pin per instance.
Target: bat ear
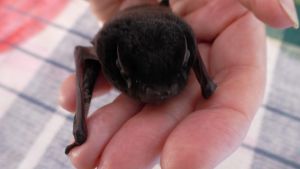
(122, 69)
(120, 64)
(187, 54)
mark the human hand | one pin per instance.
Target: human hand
(187, 131)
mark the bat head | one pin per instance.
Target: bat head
(146, 57)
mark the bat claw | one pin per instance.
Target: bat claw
(80, 137)
(209, 89)
(70, 147)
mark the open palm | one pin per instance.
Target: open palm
(186, 131)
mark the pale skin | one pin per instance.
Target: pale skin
(186, 131)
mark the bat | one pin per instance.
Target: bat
(144, 51)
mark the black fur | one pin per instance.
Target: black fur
(151, 44)
(164, 2)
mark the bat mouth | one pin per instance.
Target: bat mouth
(157, 94)
(153, 96)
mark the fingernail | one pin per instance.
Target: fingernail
(290, 9)
(73, 155)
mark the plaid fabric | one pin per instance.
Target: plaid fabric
(34, 130)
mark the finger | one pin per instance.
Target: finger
(139, 142)
(105, 9)
(241, 45)
(209, 135)
(204, 139)
(210, 19)
(67, 96)
(277, 13)
(204, 49)
(182, 8)
(102, 125)
(129, 3)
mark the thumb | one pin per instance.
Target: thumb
(276, 13)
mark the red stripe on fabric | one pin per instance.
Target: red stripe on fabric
(16, 28)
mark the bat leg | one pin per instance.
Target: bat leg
(87, 70)
(207, 85)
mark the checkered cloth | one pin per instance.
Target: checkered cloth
(34, 130)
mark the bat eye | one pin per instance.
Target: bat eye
(122, 69)
(186, 54)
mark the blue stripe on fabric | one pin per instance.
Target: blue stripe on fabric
(282, 113)
(52, 62)
(34, 101)
(272, 156)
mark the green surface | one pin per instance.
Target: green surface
(291, 35)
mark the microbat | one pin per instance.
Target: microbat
(144, 51)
